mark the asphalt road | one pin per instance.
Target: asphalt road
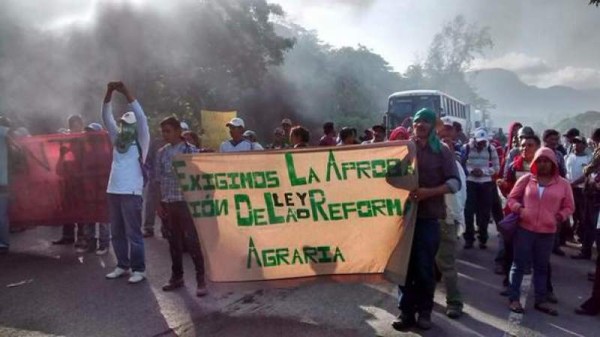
(52, 291)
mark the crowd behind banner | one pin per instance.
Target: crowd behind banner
(540, 188)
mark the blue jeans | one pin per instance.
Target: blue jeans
(416, 296)
(126, 225)
(531, 249)
(4, 230)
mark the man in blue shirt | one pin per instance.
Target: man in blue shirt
(130, 139)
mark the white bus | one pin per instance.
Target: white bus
(405, 104)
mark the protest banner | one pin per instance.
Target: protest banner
(59, 179)
(214, 131)
(282, 215)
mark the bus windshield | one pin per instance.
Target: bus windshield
(400, 108)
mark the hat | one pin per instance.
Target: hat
(286, 121)
(129, 117)
(237, 122)
(526, 132)
(400, 133)
(378, 126)
(573, 132)
(481, 136)
(579, 139)
(249, 133)
(447, 121)
(93, 127)
(279, 131)
(184, 126)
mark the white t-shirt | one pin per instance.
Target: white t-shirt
(575, 165)
(242, 146)
(541, 190)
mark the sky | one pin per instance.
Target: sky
(546, 42)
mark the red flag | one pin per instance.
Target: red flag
(59, 179)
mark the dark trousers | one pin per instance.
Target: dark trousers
(126, 228)
(416, 296)
(593, 303)
(479, 204)
(68, 231)
(579, 215)
(497, 211)
(179, 228)
(589, 225)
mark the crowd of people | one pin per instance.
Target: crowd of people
(465, 184)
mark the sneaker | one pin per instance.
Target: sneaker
(454, 311)
(404, 322)
(137, 277)
(424, 321)
(201, 290)
(102, 251)
(63, 241)
(118, 272)
(81, 249)
(173, 284)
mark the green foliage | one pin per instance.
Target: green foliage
(586, 123)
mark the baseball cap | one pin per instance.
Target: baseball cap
(286, 121)
(481, 136)
(249, 133)
(447, 121)
(93, 127)
(129, 117)
(237, 122)
(573, 132)
(579, 139)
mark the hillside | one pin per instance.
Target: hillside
(538, 107)
(585, 122)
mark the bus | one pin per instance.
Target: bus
(405, 104)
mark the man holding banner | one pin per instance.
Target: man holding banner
(438, 175)
(179, 227)
(130, 139)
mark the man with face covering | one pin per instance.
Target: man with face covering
(130, 139)
(438, 175)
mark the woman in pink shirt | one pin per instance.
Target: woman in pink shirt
(543, 200)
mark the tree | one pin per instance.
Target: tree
(449, 58)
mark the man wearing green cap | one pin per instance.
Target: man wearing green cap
(438, 175)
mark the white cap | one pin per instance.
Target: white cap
(236, 122)
(447, 121)
(93, 127)
(286, 121)
(481, 136)
(184, 126)
(129, 117)
(249, 133)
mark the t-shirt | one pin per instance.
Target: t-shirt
(541, 190)
(126, 176)
(243, 146)
(575, 165)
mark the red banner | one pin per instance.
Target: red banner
(60, 179)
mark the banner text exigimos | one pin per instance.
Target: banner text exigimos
(279, 215)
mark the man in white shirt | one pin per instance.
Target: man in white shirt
(250, 136)
(237, 143)
(130, 139)
(575, 161)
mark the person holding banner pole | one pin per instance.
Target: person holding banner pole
(179, 227)
(130, 138)
(438, 176)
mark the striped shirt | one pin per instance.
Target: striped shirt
(486, 160)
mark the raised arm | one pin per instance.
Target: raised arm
(107, 115)
(143, 131)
